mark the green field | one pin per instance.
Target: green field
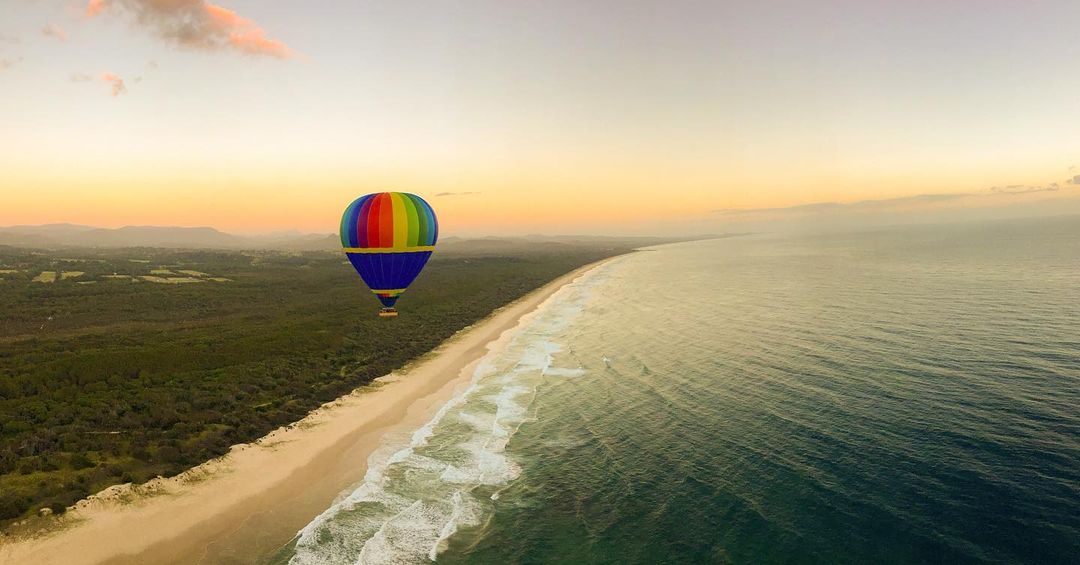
(121, 373)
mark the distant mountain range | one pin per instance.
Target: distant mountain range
(72, 235)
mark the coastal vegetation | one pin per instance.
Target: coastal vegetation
(108, 378)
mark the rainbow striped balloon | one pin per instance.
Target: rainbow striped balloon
(388, 237)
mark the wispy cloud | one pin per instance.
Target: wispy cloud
(906, 203)
(196, 24)
(6, 63)
(95, 7)
(859, 206)
(54, 30)
(116, 84)
(150, 68)
(456, 193)
(1024, 189)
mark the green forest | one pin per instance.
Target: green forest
(121, 365)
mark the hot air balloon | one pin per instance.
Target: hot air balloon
(388, 237)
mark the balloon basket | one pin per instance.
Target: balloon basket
(388, 313)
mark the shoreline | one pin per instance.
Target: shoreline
(253, 500)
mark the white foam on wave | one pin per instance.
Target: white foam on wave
(465, 512)
(565, 372)
(419, 491)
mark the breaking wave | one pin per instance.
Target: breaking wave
(421, 489)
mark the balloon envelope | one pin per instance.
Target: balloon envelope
(388, 237)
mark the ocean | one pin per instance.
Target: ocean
(906, 395)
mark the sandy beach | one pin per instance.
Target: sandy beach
(253, 500)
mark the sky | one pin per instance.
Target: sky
(644, 117)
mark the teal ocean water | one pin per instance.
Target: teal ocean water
(903, 396)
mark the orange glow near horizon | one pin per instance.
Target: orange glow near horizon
(586, 194)
(260, 202)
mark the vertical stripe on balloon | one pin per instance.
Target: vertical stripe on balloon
(432, 224)
(427, 222)
(372, 221)
(421, 223)
(344, 231)
(412, 221)
(401, 220)
(360, 228)
(386, 220)
(351, 219)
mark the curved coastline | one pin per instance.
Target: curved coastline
(255, 499)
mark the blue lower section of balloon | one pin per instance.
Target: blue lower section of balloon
(389, 271)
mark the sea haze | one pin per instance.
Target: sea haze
(900, 396)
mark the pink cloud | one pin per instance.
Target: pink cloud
(116, 83)
(95, 7)
(196, 24)
(245, 35)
